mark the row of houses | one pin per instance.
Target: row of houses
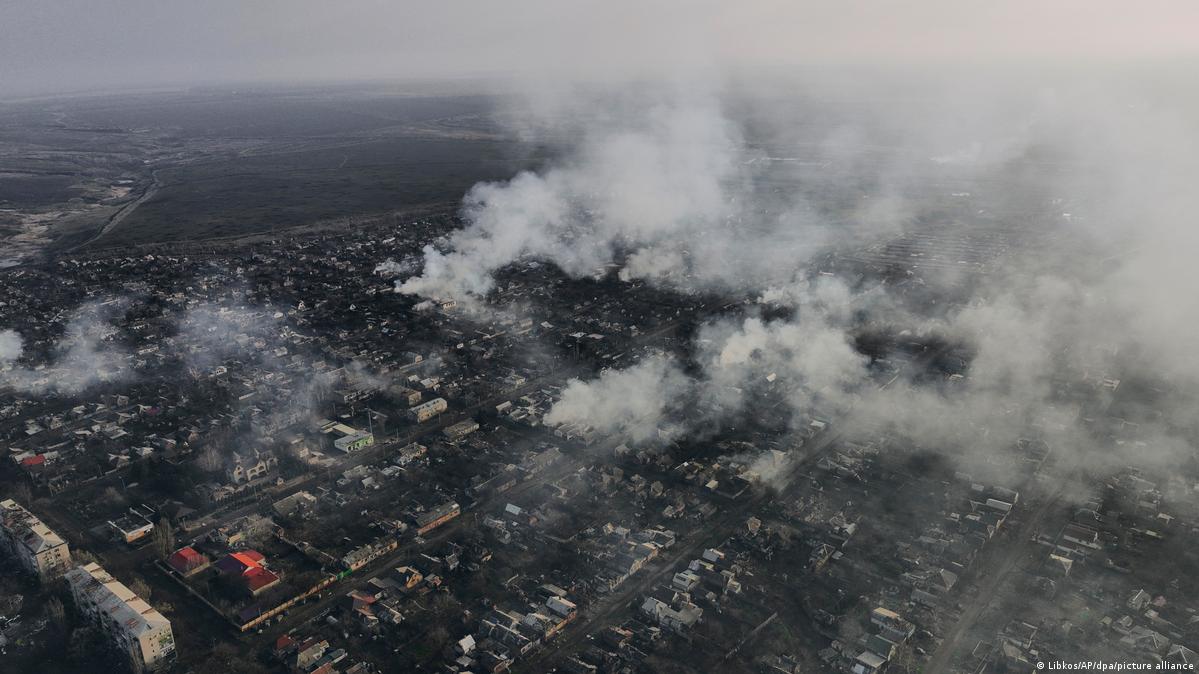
(877, 649)
(624, 552)
(708, 578)
(505, 635)
(315, 655)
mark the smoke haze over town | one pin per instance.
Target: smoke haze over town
(598, 337)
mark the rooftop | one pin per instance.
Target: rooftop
(26, 527)
(117, 601)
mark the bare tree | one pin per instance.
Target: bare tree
(140, 588)
(437, 636)
(209, 460)
(82, 643)
(56, 614)
(443, 605)
(112, 498)
(21, 493)
(164, 539)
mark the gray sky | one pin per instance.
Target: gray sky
(64, 45)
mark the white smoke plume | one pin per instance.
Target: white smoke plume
(807, 362)
(812, 362)
(1079, 186)
(671, 188)
(643, 183)
(362, 376)
(678, 184)
(633, 404)
(391, 268)
(209, 333)
(86, 355)
(11, 346)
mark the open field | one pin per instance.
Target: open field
(104, 171)
(234, 196)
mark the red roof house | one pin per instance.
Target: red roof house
(284, 645)
(247, 566)
(259, 579)
(188, 561)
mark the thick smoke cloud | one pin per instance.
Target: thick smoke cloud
(210, 333)
(666, 183)
(405, 267)
(807, 364)
(644, 183)
(813, 362)
(1081, 186)
(676, 178)
(87, 354)
(701, 183)
(634, 404)
(11, 346)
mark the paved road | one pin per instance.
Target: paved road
(125, 212)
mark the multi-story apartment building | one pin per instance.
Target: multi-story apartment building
(35, 546)
(134, 626)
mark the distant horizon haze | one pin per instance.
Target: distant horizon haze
(74, 46)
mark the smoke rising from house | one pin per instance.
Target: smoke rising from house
(86, 354)
(640, 184)
(1088, 287)
(634, 404)
(11, 346)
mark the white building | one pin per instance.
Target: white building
(427, 410)
(679, 620)
(131, 527)
(35, 546)
(353, 441)
(134, 626)
(460, 430)
(250, 466)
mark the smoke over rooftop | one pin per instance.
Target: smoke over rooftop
(747, 185)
